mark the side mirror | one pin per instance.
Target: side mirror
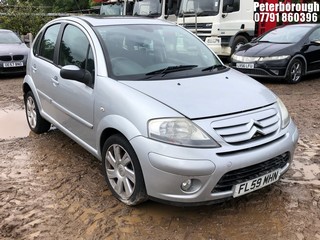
(73, 72)
(315, 42)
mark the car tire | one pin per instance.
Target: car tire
(122, 171)
(238, 42)
(294, 71)
(36, 123)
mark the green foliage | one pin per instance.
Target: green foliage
(23, 18)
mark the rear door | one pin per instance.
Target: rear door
(43, 67)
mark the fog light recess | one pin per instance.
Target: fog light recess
(190, 185)
(276, 72)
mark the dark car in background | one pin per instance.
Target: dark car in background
(286, 53)
(13, 53)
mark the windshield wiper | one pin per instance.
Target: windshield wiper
(214, 67)
(170, 69)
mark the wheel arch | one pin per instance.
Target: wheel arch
(27, 86)
(302, 59)
(240, 33)
(115, 124)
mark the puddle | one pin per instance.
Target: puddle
(13, 124)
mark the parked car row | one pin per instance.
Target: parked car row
(166, 117)
(287, 53)
(13, 53)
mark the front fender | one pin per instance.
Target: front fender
(120, 124)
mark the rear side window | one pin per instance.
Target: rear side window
(48, 42)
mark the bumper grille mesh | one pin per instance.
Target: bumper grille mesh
(248, 173)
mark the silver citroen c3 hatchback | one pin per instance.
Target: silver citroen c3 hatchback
(166, 117)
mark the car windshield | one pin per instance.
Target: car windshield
(114, 9)
(139, 52)
(199, 7)
(147, 8)
(7, 37)
(288, 34)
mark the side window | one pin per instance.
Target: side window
(74, 47)
(35, 45)
(48, 42)
(315, 36)
(234, 7)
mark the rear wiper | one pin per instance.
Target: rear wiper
(213, 67)
(171, 69)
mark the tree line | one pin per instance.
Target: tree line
(24, 16)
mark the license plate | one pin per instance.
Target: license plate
(13, 64)
(255, 184)
(245, 65)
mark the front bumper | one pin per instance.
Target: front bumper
(273, 69)
(13, 69)
(167, 167)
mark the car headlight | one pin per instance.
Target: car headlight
(238, 58)
(285, 118)
(274, 58)
(179, 131)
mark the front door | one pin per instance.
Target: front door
(75, 100)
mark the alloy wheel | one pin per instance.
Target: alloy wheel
(31, 112)
(296, 72)
(120, 171)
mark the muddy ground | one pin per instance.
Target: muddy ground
(51, 188)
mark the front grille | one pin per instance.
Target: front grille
(248, 173)
(242, 129)
(203, 38)
(6, 58)
(198, 25)
(18, 57)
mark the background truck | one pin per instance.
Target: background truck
(164, 9)
(223, 24)
(112, 7)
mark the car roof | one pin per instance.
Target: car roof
(5, 30)
(98, 20)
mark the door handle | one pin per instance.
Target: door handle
(34, 68)
(55, 81)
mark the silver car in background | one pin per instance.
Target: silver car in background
(13, 53)
(149, 99)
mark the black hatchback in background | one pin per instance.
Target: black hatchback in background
(287, 53)
(13, 53)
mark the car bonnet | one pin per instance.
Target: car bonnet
(19, 48)
(207, 96)
(263, 49)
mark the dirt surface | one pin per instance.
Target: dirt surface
(51, 188)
